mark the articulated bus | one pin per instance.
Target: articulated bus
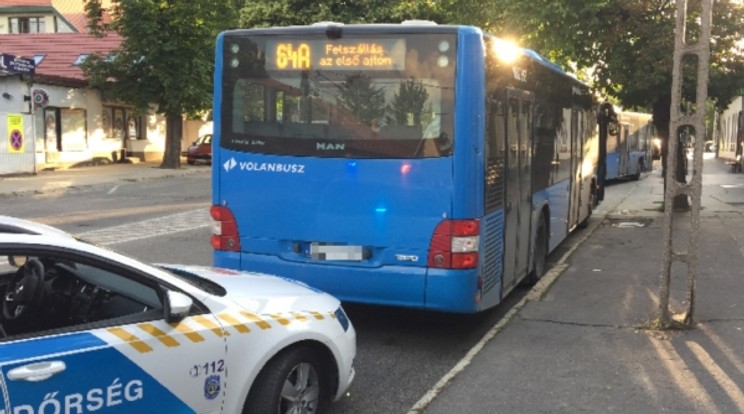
(415, 164)
(630, 145)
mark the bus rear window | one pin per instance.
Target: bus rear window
(389, 96)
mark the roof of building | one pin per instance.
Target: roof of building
(74, 12)
(25, 3)
(60, 51)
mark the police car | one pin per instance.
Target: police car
(84, 329)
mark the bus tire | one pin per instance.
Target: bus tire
(302, 368)
(539, 253)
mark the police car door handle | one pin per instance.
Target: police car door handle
(36, 372)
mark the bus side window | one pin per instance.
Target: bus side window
(613, 138)
(526, 131)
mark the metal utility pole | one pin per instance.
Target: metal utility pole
(693, 190)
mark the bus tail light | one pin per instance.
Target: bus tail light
(454, 245)
(224, 229)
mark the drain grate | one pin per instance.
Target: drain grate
(630, 222)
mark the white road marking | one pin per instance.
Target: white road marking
(113, 190)
(145, 229)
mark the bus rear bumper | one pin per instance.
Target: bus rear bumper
(413, 287)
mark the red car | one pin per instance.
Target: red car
(200, 150)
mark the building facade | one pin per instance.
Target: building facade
(64, 122)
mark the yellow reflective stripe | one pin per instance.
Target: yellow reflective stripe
(135, 342)
(159, 334)
(255, 318)
(317, 315)
(300, 317)
(240, 327)
(188, 332)
(209, 324)
(281, 319)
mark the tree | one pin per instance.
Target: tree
(165, 61)
(628, 45)
(264, 13)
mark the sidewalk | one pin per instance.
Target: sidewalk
(109, 174)
(581, 345)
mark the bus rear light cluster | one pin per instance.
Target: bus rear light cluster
(454, 245)
(224, 230)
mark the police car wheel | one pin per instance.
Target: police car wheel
(292, 382)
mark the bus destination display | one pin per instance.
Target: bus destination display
(379, 54)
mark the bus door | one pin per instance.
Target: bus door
(518, 197)
(577, 158)
(623, 150)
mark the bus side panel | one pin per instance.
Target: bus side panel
(557, 197)
(469, 126)
(492, 258)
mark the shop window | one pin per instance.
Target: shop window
(74, 131)
(120, 123)
(118, 128)
(135, 126)
(51, 129)
(65, 129)
(106, 123)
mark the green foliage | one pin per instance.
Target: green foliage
(167, 54)
(265, 13)
(359, 96)
(629, 44)
(165, 60)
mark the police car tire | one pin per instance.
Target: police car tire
(266, 393)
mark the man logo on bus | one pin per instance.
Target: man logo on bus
(329, 146)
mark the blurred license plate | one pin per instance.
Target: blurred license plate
(336, 252)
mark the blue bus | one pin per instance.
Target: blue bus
(414, 164)
(630, 145)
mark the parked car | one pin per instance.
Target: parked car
(200, 150)
(84, 328)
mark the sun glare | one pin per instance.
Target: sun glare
(506, 50)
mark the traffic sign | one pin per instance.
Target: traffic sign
(15, 134)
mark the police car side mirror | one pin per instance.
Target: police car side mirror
(177, 306)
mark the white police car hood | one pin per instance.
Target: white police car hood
(264, 293)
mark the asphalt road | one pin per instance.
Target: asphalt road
(402, 353)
